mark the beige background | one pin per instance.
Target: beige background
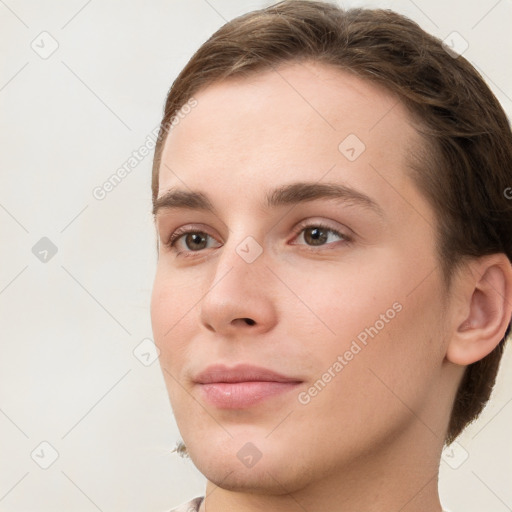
(69, 376)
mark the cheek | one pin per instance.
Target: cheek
(161, 304)
(364, 391)
(369, 329)
(337, 303)
(172, 322)
(171, 313)
(401, 354)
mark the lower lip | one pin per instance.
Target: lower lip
(237, 395)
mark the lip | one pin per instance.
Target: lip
(242, 386)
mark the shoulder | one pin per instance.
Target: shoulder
(189, 506)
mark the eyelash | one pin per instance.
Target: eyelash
(171, 241)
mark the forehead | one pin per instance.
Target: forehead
(295, 122)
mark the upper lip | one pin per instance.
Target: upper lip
(240, 373)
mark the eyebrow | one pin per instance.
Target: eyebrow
(290, 194)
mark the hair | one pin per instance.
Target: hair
(465, 170)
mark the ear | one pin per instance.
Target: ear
(486, 311)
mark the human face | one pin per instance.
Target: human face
(259, 283)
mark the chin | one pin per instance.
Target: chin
(228, 465)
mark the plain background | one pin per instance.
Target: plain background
(72, 371)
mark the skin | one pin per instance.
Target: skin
(372, 438)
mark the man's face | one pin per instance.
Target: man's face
(343, 291)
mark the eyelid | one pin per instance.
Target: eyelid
(186, 229)
(346, 233)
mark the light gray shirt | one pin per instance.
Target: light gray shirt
(193, 506)
(189, 506)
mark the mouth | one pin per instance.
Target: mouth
(242, 386)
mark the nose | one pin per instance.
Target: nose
(239, 298)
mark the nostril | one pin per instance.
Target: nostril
(249, 321)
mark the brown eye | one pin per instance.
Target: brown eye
(315, 235)
(187, 241)
(318, 235)
(195, 241)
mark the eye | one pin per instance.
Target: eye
(188, 240)
(318, 234)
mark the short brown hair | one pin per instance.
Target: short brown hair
(468, 142)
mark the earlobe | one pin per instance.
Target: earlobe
(489, 310)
